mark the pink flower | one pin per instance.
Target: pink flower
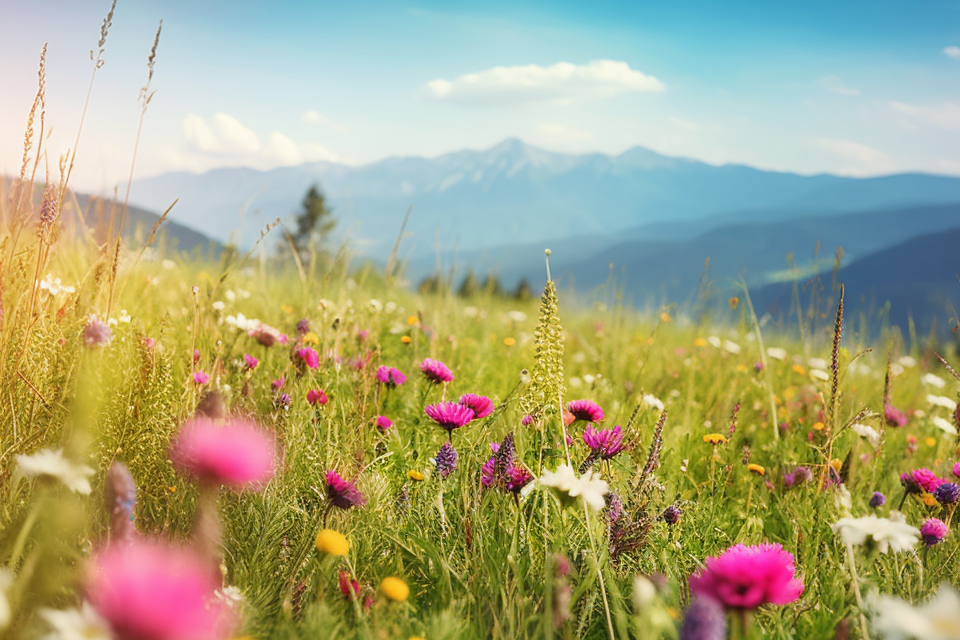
(436, 371)
(604, 443)
(956, 470)
(150, 591)
(747, 577)
(585, 410)
(922, 478)
(933, 531)
(201, 377)
(384, 423)
(237, 454)
(893, 416)
(267, 335)
(309, 357)
(251, 362)
(526, 420)
(390, 376)
(317, 397)
(96, 333)
(196, 356)
(343, 493)
(450, 415)
(482, 405)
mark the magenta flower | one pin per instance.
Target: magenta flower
(238, 454)
(450, 415)
(277, 384)
(585, 410)
(436, 371)
(96, 333)
(933, 531)
(893, 416)
(488, 472)
(251, 362)
(526, 420)
(196, 356)
(201, 377)
(482, 405)
(343, 493)
(604, 443)
(517, 479)
(391, 376)
(309, 357)
(267, 335)
(384, 423)
(747, 577)
(921, 478)
(956, 470)
(317, 397)
(149, 591)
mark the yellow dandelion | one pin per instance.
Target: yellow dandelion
(733, 302)
(665, 317)
(929, 500)
(416, 638)
(650, 341)
(699, 342)
(742, 368)
(413, 474)
(395, 588)
(930, 442)
(819, 426)
(715, 438)
(310, 338)
(406, 339)
(286, 308)
(332, 542)
(509, 341)
(673, 613)
(799, 369)
(757, 469)
(413, 321)
(172, 489)
(837, 464)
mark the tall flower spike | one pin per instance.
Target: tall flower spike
(121, 498)
(543, 394)
(446, 460)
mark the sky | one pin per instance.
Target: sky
(855, 88)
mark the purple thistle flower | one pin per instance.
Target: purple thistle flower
(436, 371)
(527, 420)
(671, 515)
(343, 493)
(450, 415)
(517, 479)
(789, 479)
(251, 362)
(877, 499)
(956, 469)
(893, 416)
(482, 405)
(390, 376)
(704, 620)
(604, 443)
(284, 400)
(96, 333)
(309, 357)
(947, 493)
(303, 326)
(277, 384)
(585, 410)
(384, 423)
(201, 377)
(933, 531)
(446, 460)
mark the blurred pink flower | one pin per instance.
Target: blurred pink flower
(309, 357)
(237, 454)
(150, 591)
(201, 377)
(436, 371)
(390, 376)
(96, 333)
(251, 362)
(384, 423)
(481, 405)
(267, 335)
(317, 397)
(746, 577)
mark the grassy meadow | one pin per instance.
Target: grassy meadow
(729, 433)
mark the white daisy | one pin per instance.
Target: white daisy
(889, 534)
(51, 463)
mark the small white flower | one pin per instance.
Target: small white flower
(168, 264)
(868, 433)
(588, 487)
(390, 307)
(218, 305)
(938, 619)
(896, 369)
(589, 379)
(375, 305)
(76, 624)
(49, 462)
(819, 374)
(907, 361)
(715, 341)
(230, 295)
(944, 425)
(124, 316)
(817, 363)
(644, 593)
(889, 534)
(575, 382)
(652, 401)
(933, 380)
(231, 596)
(942, 401)
(731, 347)
(777, 353)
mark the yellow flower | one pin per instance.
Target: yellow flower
(413, 474)
(416, 638)
(665, 317)
(311, 338)
(715, 438)
(799, 369)
(837, 464)
(757, 469)
(286, 308)
(818, 426)
(699, 342)
(413, 321)
(733, 302)
(406, 339)
(930, 442)
(742, 368)
(332, 542)
(395, 588)
(509, 341)
(929, 500)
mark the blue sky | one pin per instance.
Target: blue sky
(858, 88)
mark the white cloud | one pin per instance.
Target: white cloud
(226, 136)
(943, 116)
(684, 125)
(563, 132)
(866, 159)
(562, 82)
(315, 117)
(834, 85)
(952, 51)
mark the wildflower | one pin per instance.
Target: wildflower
(527, 420)
(309, 357)
(343, 493)
(944, 425)
(603, 443)
(390, 376)
(746, 577)
(877, 499)
(51, 463)
(715, 438)
(267, 335)
(757, 469)
(588, 487)
(893, 416)
(947, 493)
(758, 366)
(933, 531)
(332, 543)
(83, 623)
(933, 380)
(799, 369)
(284, 401)
(509, 341)
(250, 361)
(868, 433)
(395, 589)
(942, 401)
(517, 479)
(446, 460)
(303, 326)
(350, 588)
(704, 620)
(921, 478)
(149, 591)
(238, 453)
(733, 302)
(450, 415)
(956, 470)
(482, 406)
(96, 333)
(585, 410)
(317, 397)
(889, 534)
(436, 371)
(406, 339)
(201, 377)
(384, 423)
(776, 353)
(278, 384)
(671, 515)
(938, 619)
(415, 475)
